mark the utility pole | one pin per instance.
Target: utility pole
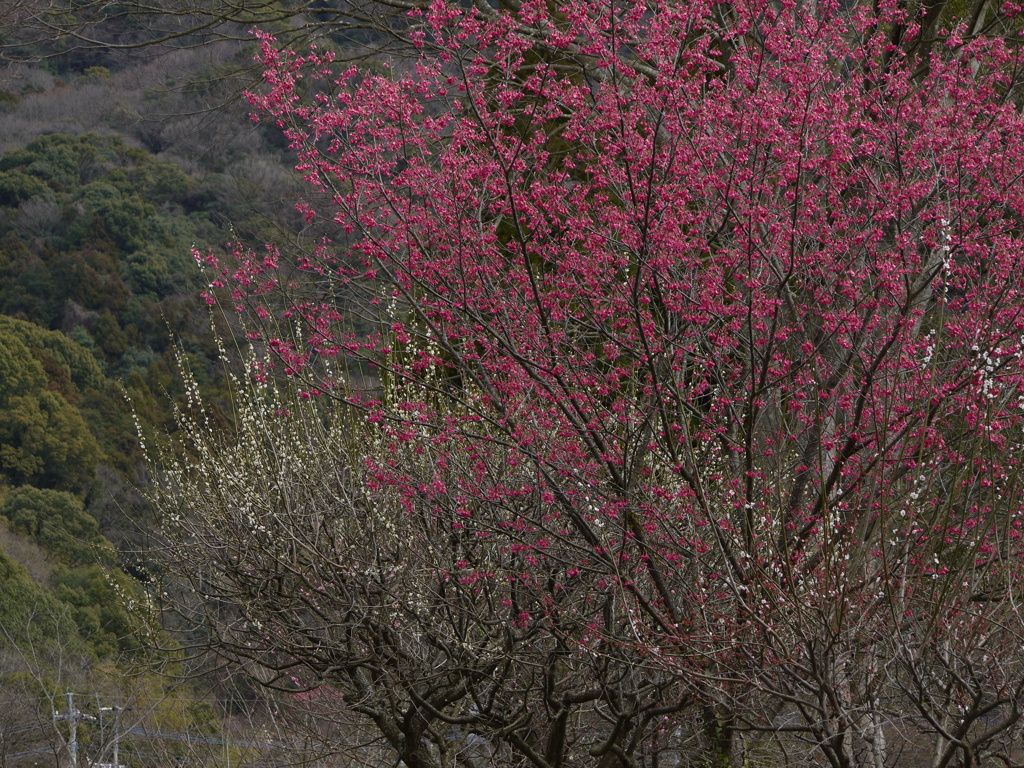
(117, 728)
(73, 716)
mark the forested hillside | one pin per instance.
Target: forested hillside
(113, 168)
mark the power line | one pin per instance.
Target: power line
(215, 740)
(30, 752)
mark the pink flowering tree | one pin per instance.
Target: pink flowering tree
(687, 426)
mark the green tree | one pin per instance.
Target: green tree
(20, 373)
(127, 218)
(30, 615)
(97, 598)
(16, 187)
(43, 439)
(57, 521)
(77, 363)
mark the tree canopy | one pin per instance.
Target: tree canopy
(43, 439)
